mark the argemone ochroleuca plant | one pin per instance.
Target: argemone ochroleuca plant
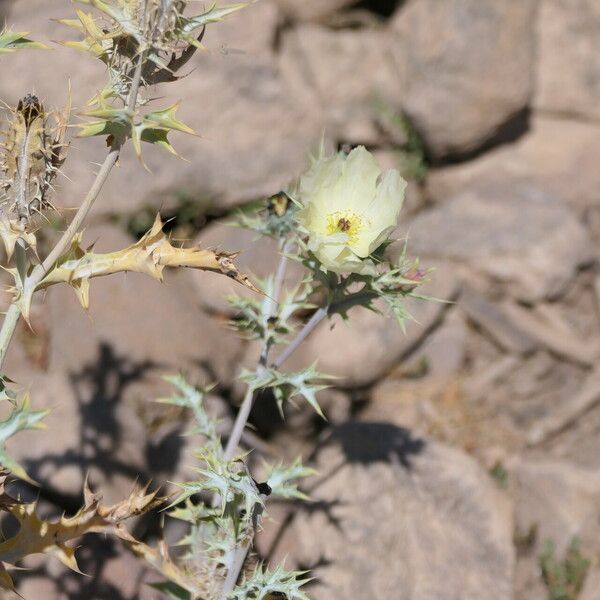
(335, 221)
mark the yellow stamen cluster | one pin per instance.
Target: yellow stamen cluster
(345, 222)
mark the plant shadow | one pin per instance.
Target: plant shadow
(359, 443)
(99, 391)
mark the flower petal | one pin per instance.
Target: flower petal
(316, 188)
(356, 187)
(381, 215)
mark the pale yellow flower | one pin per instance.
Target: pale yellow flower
(349, 208)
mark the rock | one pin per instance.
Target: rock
(591, 585)
(556, 155)
(558, 501)
(254, 135)
(440, 407)
(569, 57)
(5, 8)
(259, 256)
(516, 234)
(365, 347)
(340, 73)
(388, 499)
(547, 332)
(444, 350)
(307, 10)
(496, 323)
(579, 442)
(468, 68)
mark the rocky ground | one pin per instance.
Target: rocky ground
(461, 460)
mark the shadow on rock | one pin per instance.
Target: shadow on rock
(106, 423)
(367, 443)
(97, 558)
(99, 389)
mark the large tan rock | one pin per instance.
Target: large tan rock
(569, 57)
(557, 155)
(397, 516)
(516, 234)
(340, 73)
(468, 68)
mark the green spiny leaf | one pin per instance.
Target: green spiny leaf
(166, 119)
(264, 583)
(212, 15)
(286, 386)
(11, 41)
(193, 399)
(120, 12)
(21, 418)
(155, 128)
(282, 479)
(96, 41)
(229, 479)
(6, 393)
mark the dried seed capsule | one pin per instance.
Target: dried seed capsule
(31, 156)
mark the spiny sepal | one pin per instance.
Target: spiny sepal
(276, 217)
(391, 281)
